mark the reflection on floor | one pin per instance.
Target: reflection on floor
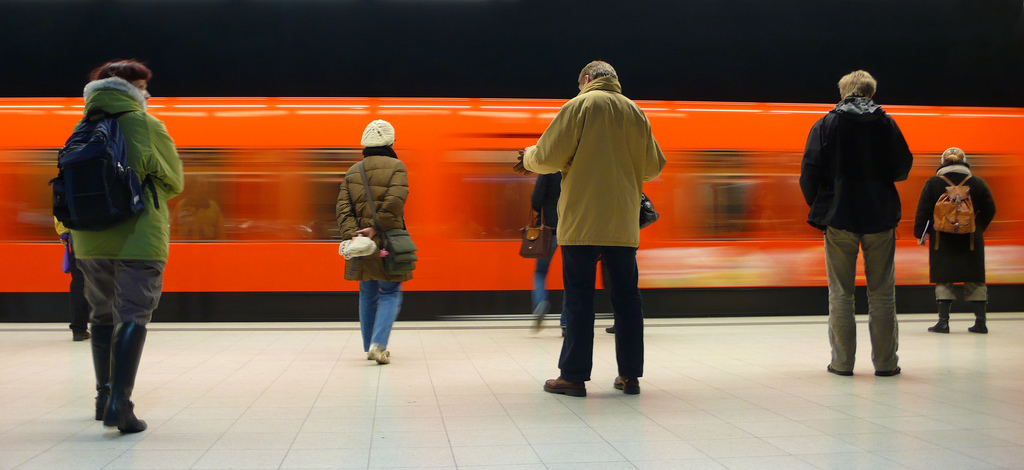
(717, 393)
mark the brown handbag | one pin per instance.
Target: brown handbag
(537, 238)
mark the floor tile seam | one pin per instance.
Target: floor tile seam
(822, 321)
(476, 368)
(895, 465)
(210, 357)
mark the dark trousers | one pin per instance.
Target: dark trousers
(122, 291)
(579, 272)
(79, 306)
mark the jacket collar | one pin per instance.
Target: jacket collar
(116, 84)
(859, 108)
(961, 168)
(604, 84)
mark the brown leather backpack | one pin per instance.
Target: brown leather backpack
(954, 211)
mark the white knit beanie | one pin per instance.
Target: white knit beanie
(378, 133)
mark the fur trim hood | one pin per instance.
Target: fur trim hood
(117, 84)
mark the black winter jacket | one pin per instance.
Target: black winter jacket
(545, 197)
(853, 158)
(954, 261)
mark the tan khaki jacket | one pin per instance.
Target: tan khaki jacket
(603, 145)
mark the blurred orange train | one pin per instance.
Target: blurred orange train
(262, 175)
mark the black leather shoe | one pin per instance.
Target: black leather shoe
(888, 373)
(844, 373)
(610, 330)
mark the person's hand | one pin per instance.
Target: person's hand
(518, 167)
(368, 232)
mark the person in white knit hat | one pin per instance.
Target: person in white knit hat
(380, 294)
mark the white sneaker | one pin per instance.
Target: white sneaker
(382, 356)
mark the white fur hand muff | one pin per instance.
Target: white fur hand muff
(357, 247)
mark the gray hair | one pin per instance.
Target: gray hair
(857, 83)
(597, 69)
(953, 155)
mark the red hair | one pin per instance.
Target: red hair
(130, 70)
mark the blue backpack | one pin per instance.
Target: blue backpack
(95, 188)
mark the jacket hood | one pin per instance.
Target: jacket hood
(859, 108)
(603, 84)
(109, 95)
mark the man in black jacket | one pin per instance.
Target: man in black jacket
(854, 156)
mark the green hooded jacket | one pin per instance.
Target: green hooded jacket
(151, 152)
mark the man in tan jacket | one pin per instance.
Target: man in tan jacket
(603, 145)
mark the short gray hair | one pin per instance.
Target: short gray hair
(857, 83)
(597, 69)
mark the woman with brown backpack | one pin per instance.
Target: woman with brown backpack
(955, 208)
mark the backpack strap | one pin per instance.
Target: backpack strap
(99, 112)
(369, 197)
(148, 183)
(951, 183)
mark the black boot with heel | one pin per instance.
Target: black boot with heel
(126, 352)
(979, 318)
(943, 325)
(100, 340)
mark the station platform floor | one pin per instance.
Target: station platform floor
(717, 393)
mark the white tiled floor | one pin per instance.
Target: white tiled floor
(717, 393)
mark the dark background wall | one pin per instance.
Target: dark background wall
(950, 52)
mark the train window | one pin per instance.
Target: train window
(496, 199)
(276, 194)
(26, 197)
(733, 194)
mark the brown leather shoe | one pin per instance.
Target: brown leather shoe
(628, 386)
(573, 389)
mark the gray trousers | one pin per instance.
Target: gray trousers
(841, 250)
(122, 291)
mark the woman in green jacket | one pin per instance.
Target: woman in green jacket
(124, 265)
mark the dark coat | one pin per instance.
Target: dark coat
(853, 158)
(545, 197)
(389, 186)
(954, 261)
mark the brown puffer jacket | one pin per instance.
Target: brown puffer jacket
(389, 186)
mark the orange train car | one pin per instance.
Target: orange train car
(254, 234)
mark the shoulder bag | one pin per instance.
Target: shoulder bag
(401, 258)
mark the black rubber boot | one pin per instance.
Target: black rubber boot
(101, 364)
(979, 318)
(943, 325)
(125, 354)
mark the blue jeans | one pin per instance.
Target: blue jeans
(379, 302)
(540, 275)
(579, 271)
